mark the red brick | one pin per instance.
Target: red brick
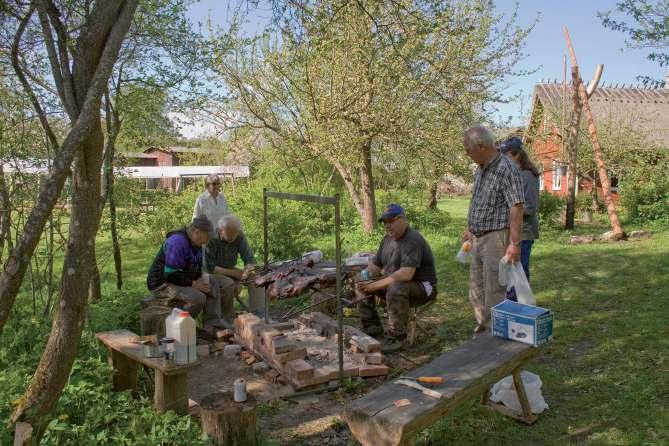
(373, 370)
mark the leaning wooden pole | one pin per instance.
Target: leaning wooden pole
(597, 148)
(571, 149)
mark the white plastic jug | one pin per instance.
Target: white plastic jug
(182, 329)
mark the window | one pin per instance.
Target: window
(614, 183)
(557, 175)
(541, 179)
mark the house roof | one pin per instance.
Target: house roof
(645, 109)
(183, 150)
(138, 155)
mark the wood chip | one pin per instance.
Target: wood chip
(401, 403)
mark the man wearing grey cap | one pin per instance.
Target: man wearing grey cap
(176, 273)
(211, 203)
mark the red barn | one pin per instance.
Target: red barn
(164, 156)
(645, 110)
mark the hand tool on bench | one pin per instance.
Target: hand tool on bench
(415, 385)
(425, 379)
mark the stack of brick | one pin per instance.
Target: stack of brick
(289, 359)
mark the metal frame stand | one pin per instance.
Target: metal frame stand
(320, 200)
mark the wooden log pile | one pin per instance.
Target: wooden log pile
(306, 353)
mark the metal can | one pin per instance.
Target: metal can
(167, 346)
(239, 390)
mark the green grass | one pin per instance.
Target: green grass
(606, 373)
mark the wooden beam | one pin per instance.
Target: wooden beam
(597, 148)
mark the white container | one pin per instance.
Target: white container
(239, 390)
(181, 327)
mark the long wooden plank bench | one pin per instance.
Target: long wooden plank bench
(125, 357)
(469, 371)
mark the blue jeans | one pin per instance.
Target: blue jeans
(525, 250)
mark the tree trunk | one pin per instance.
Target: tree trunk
(94, 286)
(368, 198)
(113, 128)
(96, 50)
(93, 39)
(5, 214)
(432, 200)
(572, 150)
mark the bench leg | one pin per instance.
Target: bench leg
(170, 393)
(522, 397)
(125, 371)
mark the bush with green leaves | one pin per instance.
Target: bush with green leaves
(550, 207)
(646, 201)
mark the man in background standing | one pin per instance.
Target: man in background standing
(211, 203)
(494, 221)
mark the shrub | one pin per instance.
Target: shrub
(647, 201)
(549, 207)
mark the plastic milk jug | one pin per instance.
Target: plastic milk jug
(182, 329)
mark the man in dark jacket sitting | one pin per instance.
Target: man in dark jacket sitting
(176, 272)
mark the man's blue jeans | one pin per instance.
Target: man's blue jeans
(525, 250)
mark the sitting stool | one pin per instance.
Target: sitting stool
(414, 325)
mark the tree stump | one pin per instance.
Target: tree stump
(227, 422)
(152, 320)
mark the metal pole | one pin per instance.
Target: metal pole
(265, 246)
(340, 312)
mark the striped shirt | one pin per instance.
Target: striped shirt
(497, 188)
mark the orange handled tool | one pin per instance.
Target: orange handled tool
(426, 379)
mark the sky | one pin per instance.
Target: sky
(544, 47)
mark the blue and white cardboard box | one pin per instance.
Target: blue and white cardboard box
(523, 323)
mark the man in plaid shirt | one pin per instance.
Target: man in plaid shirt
(494, 220)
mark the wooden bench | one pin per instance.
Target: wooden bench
(469, 371)
(125, 357)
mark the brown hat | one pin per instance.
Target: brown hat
(202, 223)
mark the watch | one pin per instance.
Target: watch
(511, 242)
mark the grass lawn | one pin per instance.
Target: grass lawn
(606, 373)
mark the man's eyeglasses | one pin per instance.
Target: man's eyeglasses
(390, 221)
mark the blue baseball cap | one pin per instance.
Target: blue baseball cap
(392, 210)
(514, 143)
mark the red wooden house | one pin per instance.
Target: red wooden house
(645, 110)
(164, 156)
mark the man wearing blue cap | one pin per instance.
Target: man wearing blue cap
(406, 261)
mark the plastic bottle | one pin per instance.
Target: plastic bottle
(182, 329)
(465, 252)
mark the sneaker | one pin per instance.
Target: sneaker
(392, 344)
(480, 328)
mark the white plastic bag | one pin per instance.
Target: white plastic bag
(465, 253)
(504, 391)
(512, 275)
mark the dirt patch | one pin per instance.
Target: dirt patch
(309, 419)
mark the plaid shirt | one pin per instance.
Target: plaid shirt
(497, 188)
